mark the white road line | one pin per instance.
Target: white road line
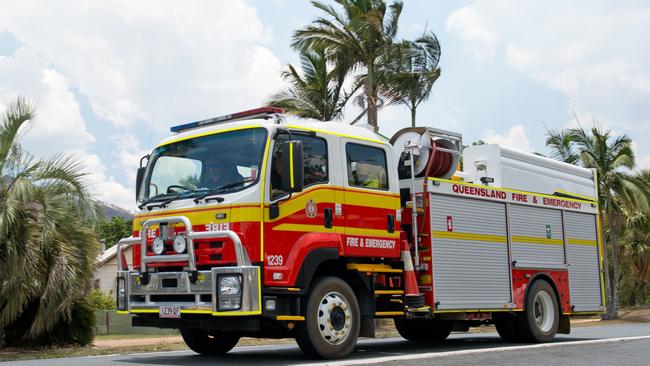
(419, 356)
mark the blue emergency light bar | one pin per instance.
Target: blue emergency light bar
(264, 112)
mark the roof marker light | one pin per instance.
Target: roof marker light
(264, 112)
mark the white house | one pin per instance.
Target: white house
(106, 269)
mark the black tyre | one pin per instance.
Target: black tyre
(332, 320)
(506, 325)
(209, 342)
(421, 330)
(539, 321)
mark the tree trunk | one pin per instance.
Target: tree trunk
(413, 111)
(608, 285)
(371, 98)
(615, 277)
(2, 338)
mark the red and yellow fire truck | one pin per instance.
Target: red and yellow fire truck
(250, 225)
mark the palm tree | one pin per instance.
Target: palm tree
(47, 244)
(611, 157)
(562, 147)
(361, 34)
(318, 92)
(411, 68)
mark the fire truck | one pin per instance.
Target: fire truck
(254, 226)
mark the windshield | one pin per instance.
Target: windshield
(223, 162)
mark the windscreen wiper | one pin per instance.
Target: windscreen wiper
(206, 196)
(165, 196)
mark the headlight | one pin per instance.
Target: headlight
(158, 245)
(230, 292)
(180, 244)
(230, 285)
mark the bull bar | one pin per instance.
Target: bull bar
(194, 291)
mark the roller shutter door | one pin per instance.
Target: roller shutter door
(537, 237)
(470, 258)
(584, 269)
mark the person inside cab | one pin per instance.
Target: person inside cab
(368, 174)
(217, 174)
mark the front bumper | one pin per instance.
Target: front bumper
(193, 291)
(176, 289)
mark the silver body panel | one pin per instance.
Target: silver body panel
(584, 267)
(532, 222)
(469, 274)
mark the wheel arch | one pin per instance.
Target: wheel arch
(541, 276)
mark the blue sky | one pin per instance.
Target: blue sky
(110, 78)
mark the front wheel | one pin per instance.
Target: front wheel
(539, 322)
(208, 342)
(332, 320)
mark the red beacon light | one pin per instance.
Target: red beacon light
(264, 112)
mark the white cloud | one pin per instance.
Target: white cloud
(134, 59)
(131, 60)
(514, 138)
(593, 52)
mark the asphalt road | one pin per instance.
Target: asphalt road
(615, 344)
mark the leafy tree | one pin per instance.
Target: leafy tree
(47, 243)
(317, 91)
(103, 301)
(409, 71)
(562, 146)
(115, 229)
(358, 32)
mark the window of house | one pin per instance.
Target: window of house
(367, 166)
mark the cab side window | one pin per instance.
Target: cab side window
(367, 166)
(314, 152)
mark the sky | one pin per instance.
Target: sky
(110, 77)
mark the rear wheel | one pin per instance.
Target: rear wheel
(208, 342)
(539, 322)
(332, 320)
(421, 330)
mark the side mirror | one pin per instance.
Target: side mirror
(292, 166)
(138, 181)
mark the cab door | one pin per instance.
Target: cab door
(296, 223)
(371, 202)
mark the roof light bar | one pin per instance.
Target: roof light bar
(264, 112)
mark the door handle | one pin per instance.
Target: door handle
(328, 217)
(391, 223)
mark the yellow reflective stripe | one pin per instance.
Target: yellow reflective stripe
(206, 133)
(303, 128)
(389, 313)
(513, 191)
(291, 163)
(475, 310)
(576, 195)
(378, 268)
(336, 230)
(586, 242)
(470, 236)
(599, 237)
(260, 213)
(145, 311)
(535, 240)
(389, 292)
(123, 312)
(290, 317)
(196, 311)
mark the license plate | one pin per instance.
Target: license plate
(169, 311)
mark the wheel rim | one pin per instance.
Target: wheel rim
(544, 311)
(334, 318)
